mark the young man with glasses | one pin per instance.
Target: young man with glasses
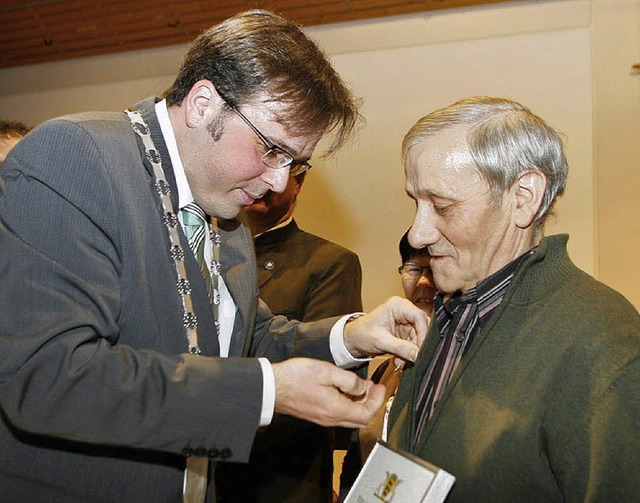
(130, 348)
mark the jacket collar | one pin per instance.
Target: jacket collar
(146, 108)
(278, 235)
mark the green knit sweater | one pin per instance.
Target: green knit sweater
(546, 405)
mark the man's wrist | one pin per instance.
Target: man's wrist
(341, 355)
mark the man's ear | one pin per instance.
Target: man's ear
(528, 195)
(300, 179)
(201, 102)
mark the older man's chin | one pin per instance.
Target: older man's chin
(442, 276)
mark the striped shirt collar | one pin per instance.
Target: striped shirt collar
(488, 294)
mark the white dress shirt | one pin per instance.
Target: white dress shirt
(227, 308)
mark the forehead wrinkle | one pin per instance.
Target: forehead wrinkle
(443, 167)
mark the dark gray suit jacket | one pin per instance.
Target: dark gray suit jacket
(100, 401)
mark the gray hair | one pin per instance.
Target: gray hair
(505, 140)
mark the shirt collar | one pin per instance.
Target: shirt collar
(279, 226)
(184, 191)
(484, 293)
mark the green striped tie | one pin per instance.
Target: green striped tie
(193, 220)
(195, 229)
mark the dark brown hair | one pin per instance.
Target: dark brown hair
(13, 128)
(260, 53)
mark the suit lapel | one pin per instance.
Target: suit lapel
(208, 343)
(238, 270)
(147, 110)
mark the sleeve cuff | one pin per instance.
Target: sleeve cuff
(268, 392)
(339, 351)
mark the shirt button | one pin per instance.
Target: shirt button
(460, 336)
(269, 265)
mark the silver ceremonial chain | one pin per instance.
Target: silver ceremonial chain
(171, 222)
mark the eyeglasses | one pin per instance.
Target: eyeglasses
(275, 157)
(414, 271)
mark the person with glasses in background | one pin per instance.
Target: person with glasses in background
(417, 277)
(420, 289)
(303, 277)
(135, 352)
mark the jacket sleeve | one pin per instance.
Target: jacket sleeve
(607, 468)
(592, 431)
(614, 443)
(277, 338)
(64, 371)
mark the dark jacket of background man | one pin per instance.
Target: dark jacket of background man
(303, 277)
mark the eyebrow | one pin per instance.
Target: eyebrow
(422, 194)
(287, 148)
(290, 149)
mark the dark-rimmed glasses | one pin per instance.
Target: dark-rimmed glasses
(275, 156)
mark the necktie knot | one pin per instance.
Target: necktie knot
(193, 218)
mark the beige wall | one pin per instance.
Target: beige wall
(616, 29)
(568, 59)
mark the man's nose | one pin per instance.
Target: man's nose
(276, 178)
(423, 232)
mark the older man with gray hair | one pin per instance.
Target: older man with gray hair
(528, 387)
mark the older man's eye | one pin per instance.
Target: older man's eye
(442, 208)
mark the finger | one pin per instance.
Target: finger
(358, 413)
(406, 332)
(399, 364)
(412, 324)
(421, 329)
(348, 382)
(406, 350)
